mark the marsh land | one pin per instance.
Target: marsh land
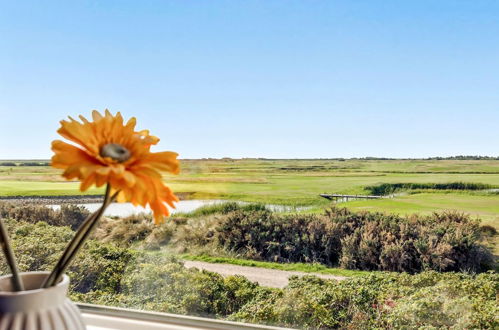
(422, 255)
(299, 183)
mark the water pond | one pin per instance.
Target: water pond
(127, 209)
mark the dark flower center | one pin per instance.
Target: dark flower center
(115, 151)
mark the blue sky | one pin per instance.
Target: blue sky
(280, 79)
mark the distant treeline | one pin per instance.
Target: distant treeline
(30, 163)
(460, 157)
(464, 158)
(341, 159)
(389, 188)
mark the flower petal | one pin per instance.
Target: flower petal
(138, 178)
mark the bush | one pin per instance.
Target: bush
(125, 231)
(225, 208)
(34, 164)
(266, 236)
(390, 188)
(446, 241)
(71, 215)
(38, 247)
(194, 229)
(114, 276)
(66, 215)
(366, 241)
(140, 231)
(426, 300)
(100, 267)
(163, 284)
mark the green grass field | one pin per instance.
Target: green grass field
(298, 182)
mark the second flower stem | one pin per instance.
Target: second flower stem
(17, 284)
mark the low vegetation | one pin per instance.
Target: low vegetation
(128, 262)
(223, 208)
(367, 241)
(429, 300)
(446, 241)
(99, 267)
(384, 189)
(25, 163)
(426, 300)
(116, 276)
(65, 215)
(358, 240)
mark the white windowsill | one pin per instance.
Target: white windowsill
(101, 322)
(111, 318)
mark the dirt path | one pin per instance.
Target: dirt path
(264, 276)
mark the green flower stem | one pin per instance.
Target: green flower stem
(81, 242)
(17, 284)
(77, 242)
(83, 229)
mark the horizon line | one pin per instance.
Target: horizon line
(457, 157)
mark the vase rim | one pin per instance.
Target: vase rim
(64, 282)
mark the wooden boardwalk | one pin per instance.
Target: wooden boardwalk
(346, 198)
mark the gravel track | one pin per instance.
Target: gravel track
(266, 277)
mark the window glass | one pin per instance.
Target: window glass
(337, 159)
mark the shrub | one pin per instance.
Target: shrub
(366, 241)
(194, 229)
(225, 208)
(446, 241)
(438, 300)
(100, 267)
(34, 164)
(159, 236)
(114, 276)
(125, 231)
(381, 300)
(488, 231)
(66, 215)
(389, 188)
(71, 215)
(264, 235)
(168, 286)
(38, 247)
(140, 230)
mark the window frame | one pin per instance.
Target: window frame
(101, 316)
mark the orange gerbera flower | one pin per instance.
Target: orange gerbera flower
(109, 151)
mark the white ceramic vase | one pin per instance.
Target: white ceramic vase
(35, 308)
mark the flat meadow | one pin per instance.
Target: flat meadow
(427, 270)
(298, 182)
